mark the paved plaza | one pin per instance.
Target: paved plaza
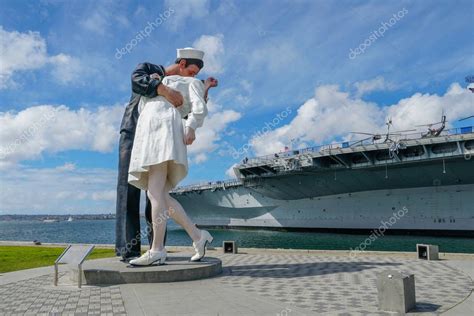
(254, 282)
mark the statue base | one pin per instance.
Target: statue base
(177, 268)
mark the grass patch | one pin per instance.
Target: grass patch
(14, 258)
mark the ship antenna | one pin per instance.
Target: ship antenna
(433, 131)
(388, 123)
(443, 123)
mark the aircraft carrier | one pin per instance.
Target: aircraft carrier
(407, 183)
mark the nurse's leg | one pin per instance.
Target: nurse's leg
(157, 195)
(177, 213)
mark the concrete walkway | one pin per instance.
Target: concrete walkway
(465, 307)
(254, 282)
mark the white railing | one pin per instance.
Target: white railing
(208, 186)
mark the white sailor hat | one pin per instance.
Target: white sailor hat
(189, 52)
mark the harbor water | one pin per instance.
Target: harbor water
(103, 232)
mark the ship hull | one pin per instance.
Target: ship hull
(442, 209)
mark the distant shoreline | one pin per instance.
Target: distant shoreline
(61, 217)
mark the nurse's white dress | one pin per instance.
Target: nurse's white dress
(159, 136)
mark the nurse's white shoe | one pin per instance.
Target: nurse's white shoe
(150, 258)
(200, 245)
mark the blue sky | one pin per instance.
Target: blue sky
(62, 79)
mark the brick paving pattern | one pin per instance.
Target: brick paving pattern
(37, 296)
(341, 285)
(335, 285)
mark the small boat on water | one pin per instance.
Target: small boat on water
(50, 220)
(70, 219)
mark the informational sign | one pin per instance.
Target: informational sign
(75, 255)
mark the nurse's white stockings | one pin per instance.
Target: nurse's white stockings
(164, 206)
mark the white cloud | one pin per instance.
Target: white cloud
(213, 48)
(200, 158)
(104, 16)
(109, 195)
(28, 51)
(230, 172)
(275, 56)
(95, 22)
(210, 133)
(57, 190)
(65, 68)
(457, 102)
(237, 96)
(330, 113)
(46, 128)
(376, 84)
(66, 167)
(186, 9)
(333, 114)
(20, 51)
(208, 136)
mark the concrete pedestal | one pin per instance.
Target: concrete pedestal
(177, 268)
(229, 246)
(396, 291)
(427, 252)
